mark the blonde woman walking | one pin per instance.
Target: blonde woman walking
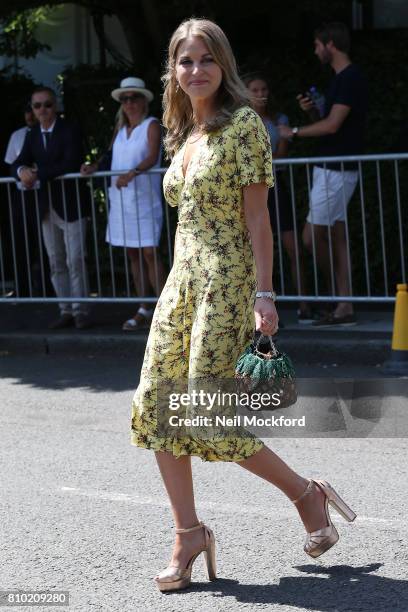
(218, 290)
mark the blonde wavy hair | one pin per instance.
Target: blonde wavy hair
(232, 94)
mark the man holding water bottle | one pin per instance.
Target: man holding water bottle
(339, 124)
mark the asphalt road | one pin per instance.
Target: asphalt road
(84, 511)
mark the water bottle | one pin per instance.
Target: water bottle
(318, 99)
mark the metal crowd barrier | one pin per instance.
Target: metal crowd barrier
(375, 233)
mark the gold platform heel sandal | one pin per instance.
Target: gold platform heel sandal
(174, 578)
(317, 542)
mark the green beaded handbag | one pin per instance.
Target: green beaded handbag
(266, 371)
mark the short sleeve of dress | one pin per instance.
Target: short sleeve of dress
(253, 149)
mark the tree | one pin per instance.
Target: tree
(140, 20)
(148, 24)
(17, 34)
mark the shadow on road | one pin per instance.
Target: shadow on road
(342, 589)
(58, 372)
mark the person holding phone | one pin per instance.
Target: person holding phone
(341, 133)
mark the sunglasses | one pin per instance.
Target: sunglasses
(132, 98)
(46, 104)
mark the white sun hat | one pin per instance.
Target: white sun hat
(132, 84)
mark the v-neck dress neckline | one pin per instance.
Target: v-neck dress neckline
(183, 152)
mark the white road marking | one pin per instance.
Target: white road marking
(226, 508)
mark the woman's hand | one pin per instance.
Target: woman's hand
(87, 169)
(124, 179)
(266, 317)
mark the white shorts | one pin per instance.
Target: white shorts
(330, 195)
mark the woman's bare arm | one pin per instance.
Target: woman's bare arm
(259, 227)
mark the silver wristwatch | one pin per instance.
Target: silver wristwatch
(266, 294)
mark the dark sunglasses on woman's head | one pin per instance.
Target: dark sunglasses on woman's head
(131, 98)
(46, 104)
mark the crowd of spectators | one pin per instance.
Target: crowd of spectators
(54, 214)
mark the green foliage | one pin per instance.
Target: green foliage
(86, 93)
(18, 32)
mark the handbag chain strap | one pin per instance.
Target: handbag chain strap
(272, 353)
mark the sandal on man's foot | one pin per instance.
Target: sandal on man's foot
(141, 319)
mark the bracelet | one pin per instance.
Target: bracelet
(266, 294)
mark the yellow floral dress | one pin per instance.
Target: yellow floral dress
(204, 317)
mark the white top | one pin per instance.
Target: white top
(14, 148)
(15, 145)
(135, 214)
(127, 153)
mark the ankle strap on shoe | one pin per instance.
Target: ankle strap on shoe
(305, 492)
(198, 526)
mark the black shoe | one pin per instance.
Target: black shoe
(65, 320)
(331, 320)
(82, 321)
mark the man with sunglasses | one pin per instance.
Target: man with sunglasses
(52, 148)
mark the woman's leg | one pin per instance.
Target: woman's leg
(178, 480)
(288, 241)
(140, 278)
(155, 268)
(341, 267)
(266, 464)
